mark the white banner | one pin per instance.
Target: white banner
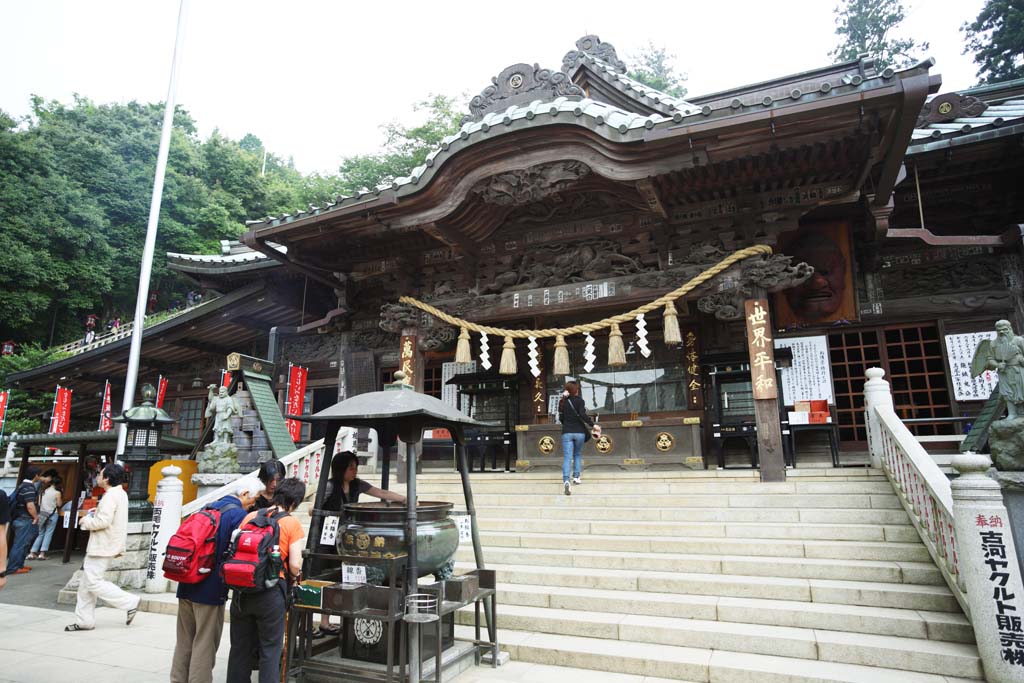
(960, 350)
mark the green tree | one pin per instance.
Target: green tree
(654, 67)
(405, 148)
(996, 38)
(25, 409)
(864, 26)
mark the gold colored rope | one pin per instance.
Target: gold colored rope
(724, 264)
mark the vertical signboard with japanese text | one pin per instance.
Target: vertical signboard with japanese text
(61, 418)
(691, 356)
(407, 358)
(761, 349)
(106, 423)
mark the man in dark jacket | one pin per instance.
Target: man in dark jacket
(24, 517)
(201, 605)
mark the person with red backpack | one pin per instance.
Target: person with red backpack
(265, 554)
(193, 559)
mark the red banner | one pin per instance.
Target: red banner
(106, 424)
(5, 397)
(225, 378)
(296, 398)
(161, 391)
(61, 418)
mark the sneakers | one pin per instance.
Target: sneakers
(577, 481)
(26, 570)
(32, 556)
(568, 488)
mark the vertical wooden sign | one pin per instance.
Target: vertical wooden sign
(407, 358)
(691, 354)
(761, 350)
(538, 387)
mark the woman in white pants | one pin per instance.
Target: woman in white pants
(108, 536)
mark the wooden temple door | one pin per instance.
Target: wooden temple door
(914, 365)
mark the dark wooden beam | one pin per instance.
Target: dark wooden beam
(206, 347)
(649, 191)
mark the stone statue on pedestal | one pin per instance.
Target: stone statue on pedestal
(1005, 355)
(220, 455)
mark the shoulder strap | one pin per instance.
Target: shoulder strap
(568, 400)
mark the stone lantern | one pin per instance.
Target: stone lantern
(145, 424)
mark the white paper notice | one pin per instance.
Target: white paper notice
(353, 573)
(329, 535)
(960, 350)
(810, 377)
(465, 527)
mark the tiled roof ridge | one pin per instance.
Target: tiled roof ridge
(610, 121)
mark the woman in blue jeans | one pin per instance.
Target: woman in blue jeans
(49, 515)
(576, 424)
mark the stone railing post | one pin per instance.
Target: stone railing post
(988, 566)
(877, 394)
(166, 518)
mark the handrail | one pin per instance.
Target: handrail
(304, 463)
(924, 492)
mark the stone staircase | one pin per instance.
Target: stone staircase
(714, 576)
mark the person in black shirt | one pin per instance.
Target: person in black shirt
(271, 473)
(24, 518)
(344, 488)
(576, 426)
(5, 519)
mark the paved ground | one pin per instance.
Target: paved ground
(35, 649)
(39, 587)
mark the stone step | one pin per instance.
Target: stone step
(906, 623)
(711, 545)
(913, 654)
(798, 501)
(930, 598)
(692, 664)
(738, 530)
(631, 513)
(920, 573)
(663, 474)
(607, 487)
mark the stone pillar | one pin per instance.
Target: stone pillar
(876, 395)
(207, 483)
(166, 519)
(988, 567)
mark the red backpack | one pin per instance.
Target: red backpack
(192, 550)
(249, 565)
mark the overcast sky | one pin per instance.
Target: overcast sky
(315, 80)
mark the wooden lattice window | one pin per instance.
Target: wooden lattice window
(911, 356)
(917, 375)
(852, 352)
(432, 382)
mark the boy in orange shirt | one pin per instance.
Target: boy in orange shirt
(257, 619)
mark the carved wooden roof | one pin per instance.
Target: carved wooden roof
(957, 118)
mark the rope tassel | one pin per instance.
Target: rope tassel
(671, 320)
(616, 351)
(508, 358)
(463, 354)
(561, 366)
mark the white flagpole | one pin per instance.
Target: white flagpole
(132, 377)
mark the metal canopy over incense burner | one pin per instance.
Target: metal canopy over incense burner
(400, 412)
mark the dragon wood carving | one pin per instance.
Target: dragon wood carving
(528, 185)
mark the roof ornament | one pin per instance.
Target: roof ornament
(520, 84)
(528, 185)
(591, 46)
(949, 106)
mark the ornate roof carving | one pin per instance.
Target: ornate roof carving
(521, 83)
(524, 186)
(948, 107)
(593, 47)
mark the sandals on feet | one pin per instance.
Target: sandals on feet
(76, 627)
(131, 616)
